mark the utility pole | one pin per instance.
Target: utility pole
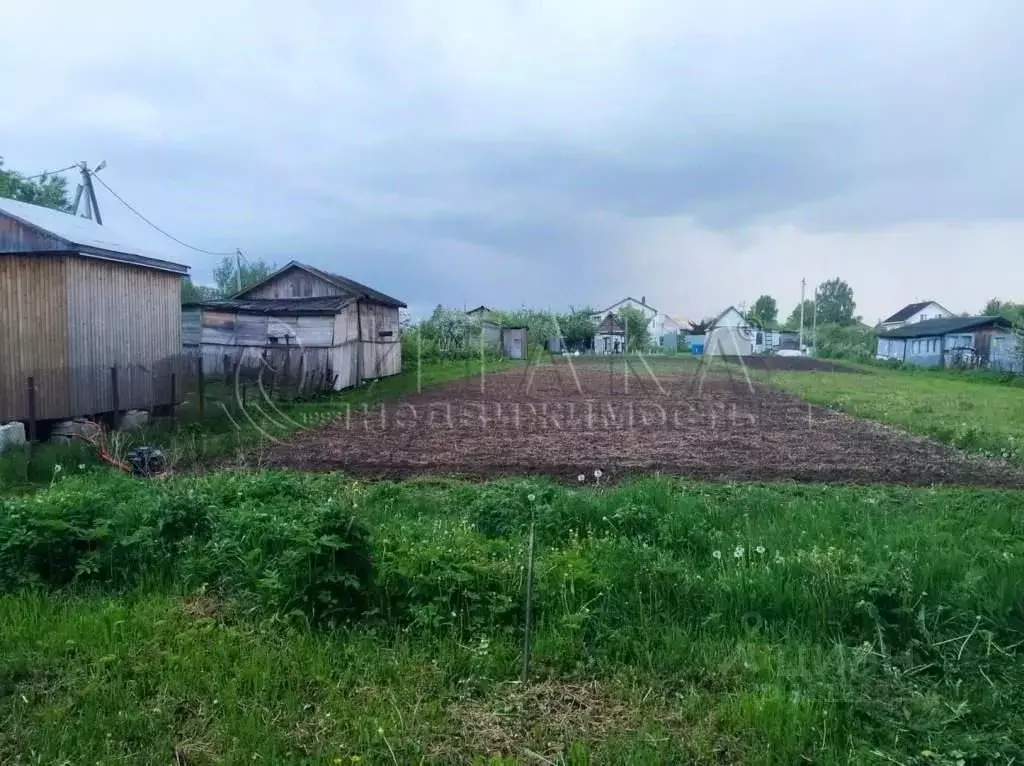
(803, 287)
(238, 270)
(92, 207)
(814, 322)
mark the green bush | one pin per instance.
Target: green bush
(285, 544)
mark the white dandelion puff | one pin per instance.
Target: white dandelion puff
(531, 497)
(598, 473)
(738, 553)
(58, 468)
(760, 549)
(81, 466)
(716, 554)
(581, 478)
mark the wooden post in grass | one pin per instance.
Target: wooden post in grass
(31, 420)
(528, 629)
(115, 394)
(202, 388)
(174, 394)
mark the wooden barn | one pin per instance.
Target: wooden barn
(76, 301)
(301, 319)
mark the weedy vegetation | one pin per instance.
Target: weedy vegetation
(281, 617)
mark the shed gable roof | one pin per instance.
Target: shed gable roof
(937, 327)
(610, 325)
(640, 304)
(71, 234)
(348, 287)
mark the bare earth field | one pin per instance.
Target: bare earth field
(562, 420)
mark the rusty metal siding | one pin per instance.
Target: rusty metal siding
(16, 237)
(295, 283)
(33, 335)
(123, 316)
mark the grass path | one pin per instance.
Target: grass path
(976, 416)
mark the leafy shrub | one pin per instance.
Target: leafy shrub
(282, 543)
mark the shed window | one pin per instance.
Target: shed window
(385, 334)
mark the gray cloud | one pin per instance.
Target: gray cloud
(509, 151)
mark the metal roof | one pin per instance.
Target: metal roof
(610, 326)
(278, 306)
(352, 288)
(85, 236)
(909, 310)
(935, 327)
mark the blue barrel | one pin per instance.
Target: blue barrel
(697, 348)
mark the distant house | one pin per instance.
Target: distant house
(78, 301)
(732, 334)
(980, 341)
(610, 337)
(305, 319)
(916, 312)
(663, 328)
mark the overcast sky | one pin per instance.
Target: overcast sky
(550, 153)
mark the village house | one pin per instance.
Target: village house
(978, 341)
(303, 319)
(916, 312)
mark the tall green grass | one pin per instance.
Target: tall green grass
(281, 616)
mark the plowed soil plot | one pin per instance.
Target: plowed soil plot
(563, 421)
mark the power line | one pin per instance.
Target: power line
(167, 234)
(49, 173)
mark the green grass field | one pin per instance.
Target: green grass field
(288, 618)
(976, 415)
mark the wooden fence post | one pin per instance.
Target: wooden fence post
(174, 393)
(202, 389)
(31, 420)
(115, 394)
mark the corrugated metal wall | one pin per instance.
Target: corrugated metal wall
(33, 334)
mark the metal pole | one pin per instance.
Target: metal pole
(803, 286)
(814, 322)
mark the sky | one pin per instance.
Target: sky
(548, 154)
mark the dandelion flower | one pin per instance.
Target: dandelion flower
(738, 553)
(581, 478)
(531, 497)
(598, 473)
(759, 549)
(380, 730)
(716, 554)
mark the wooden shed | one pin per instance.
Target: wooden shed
(304, 319)
(76, 300)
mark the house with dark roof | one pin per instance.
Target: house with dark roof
(916, 312)
(610, 336)
(88, 316)
(303, 319)
(979, 341)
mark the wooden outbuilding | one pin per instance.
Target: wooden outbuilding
(303, 319)
(77, 302)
